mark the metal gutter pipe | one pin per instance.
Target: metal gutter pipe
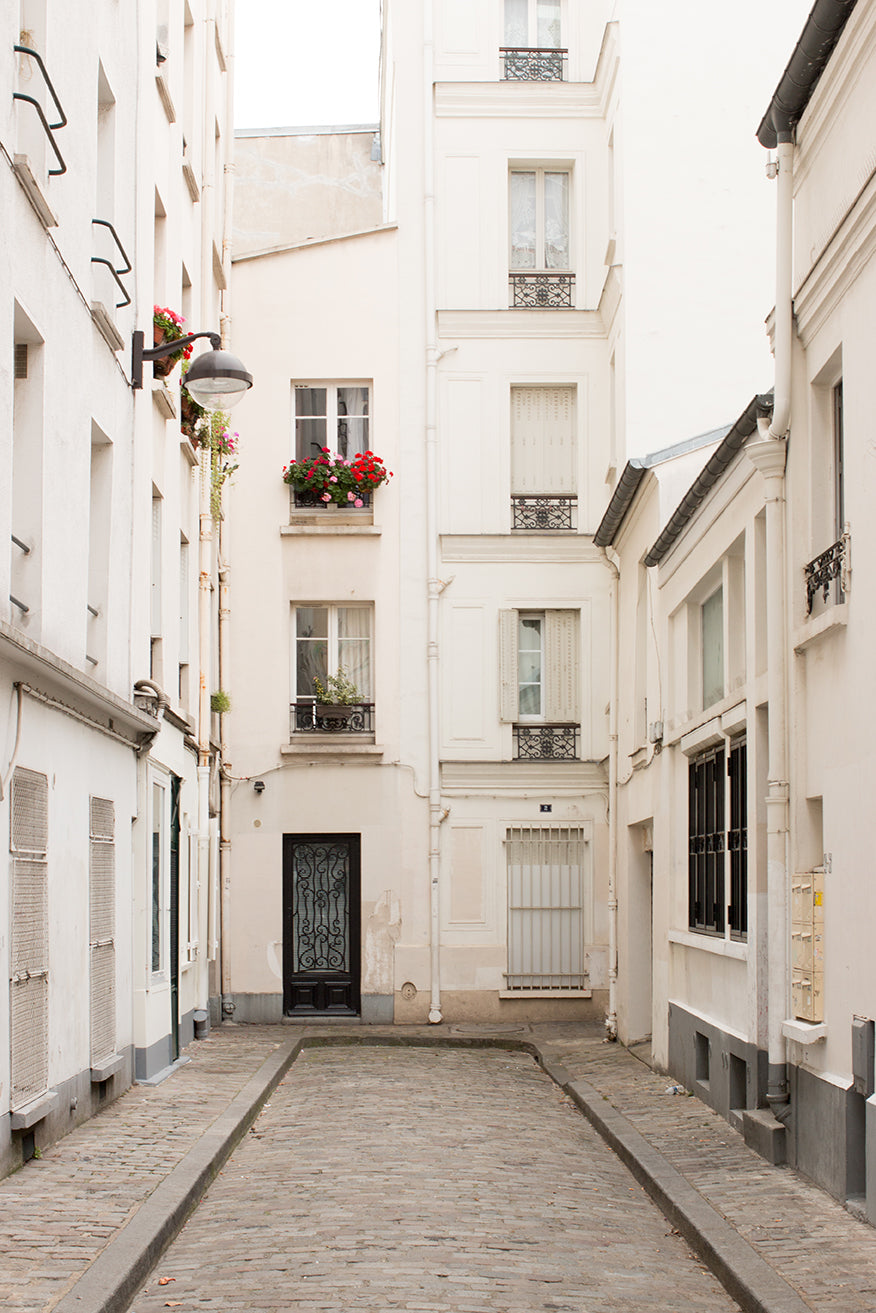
(434, 583)
(613, 563)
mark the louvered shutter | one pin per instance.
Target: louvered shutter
(156, 567)
(562, 698)
(29, 943)
(102, 926)
(542, 441)
(508, 666)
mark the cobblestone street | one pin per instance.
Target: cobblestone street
(424, 1179)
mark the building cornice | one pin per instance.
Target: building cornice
(539, 324)
(515, 549)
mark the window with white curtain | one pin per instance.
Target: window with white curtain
(539, 666)
(540, 219)
(548, 903)
(328, 639)
(534, 24)
(333, 415)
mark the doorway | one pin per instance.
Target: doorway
(321, 884)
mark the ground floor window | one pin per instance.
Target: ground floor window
(717, 789)
(548, 880)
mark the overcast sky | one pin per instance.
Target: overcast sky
(301, 63)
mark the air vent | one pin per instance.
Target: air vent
(21, 360)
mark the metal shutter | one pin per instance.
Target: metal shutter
(547, 882)
(102, 928)
(29, 957)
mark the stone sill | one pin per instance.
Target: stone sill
(335, 747)
(314, 529)
(804, 1032)
(833, 620)
(24, 1118)
(735, 948)
(103, 1070)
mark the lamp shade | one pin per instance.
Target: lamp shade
(217, 380)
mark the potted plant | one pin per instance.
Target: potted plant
(190, 411)
(335, 697)
(167, 326)
(328, 478)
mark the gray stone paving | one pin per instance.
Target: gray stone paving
(426, 1179)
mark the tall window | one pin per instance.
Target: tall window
(159, 839)
(533, 23)
(540, 219)
(29, 938)
(548, 897)
(102, 928)
(329, 639)
(717, 787)
(333, 415)
(839, 491)
(543, 458)
(539, 682)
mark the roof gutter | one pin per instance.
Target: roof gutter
(823, 29)
(717, 463)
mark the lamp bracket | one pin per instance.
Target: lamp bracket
(139, 353)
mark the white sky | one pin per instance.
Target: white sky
(303, 63)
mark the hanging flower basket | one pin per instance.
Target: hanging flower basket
(329, 477)
(167, 326)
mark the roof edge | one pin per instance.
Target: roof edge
(809, 58)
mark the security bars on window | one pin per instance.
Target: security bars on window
(546, 923)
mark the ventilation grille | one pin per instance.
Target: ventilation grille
(21, 360)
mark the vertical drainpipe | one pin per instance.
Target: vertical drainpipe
(205, 531)
(224, 568)
(769, 453)
(434, 584)
(611, 560)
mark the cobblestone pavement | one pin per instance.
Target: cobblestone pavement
(58, 1212)
(426, 1179)
(819, 1248)
(67, 1218)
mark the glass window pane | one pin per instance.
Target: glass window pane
(556, 221)
(548, 24)
(354, 622)
(713, 648)
(354, 657)
(516, 22)
(310, 401)
(529, 636)
(530, 700)
(310, 437)
(522, 220)
(529, 667)
(352, 437)
(312, 621)
(311, 662)
(352, 401)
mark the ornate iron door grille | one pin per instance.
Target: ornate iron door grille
(545, 742)
(532, 64)
(542, 291)
(321, 923)
(544, 514)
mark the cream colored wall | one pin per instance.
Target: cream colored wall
(294, 186)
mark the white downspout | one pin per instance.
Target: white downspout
(612, 562)
(205, 534)
(769, 453)
(434, 584)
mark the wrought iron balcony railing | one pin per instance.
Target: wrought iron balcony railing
(541, 291)
(545, 742)
(312, 501)
(533, 64)
(545, 513)
(333, 718)
(833, 564)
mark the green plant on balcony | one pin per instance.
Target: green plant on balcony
(337, 691)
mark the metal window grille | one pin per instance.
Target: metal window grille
(21, 360)
(541, 291)
(706, 844)
(737, 839)
(102, 925)
(29, 957)
(546, 908)
(529, 64)
(546, 742)
(544, 514)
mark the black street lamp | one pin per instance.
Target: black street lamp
(216, 379)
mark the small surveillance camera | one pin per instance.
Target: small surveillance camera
(259, 786)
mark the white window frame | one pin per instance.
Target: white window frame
(541, 169)
(158, 779)
(332, 387)
(539, 717)
(333, 644)
(531, 42)
(561, 666)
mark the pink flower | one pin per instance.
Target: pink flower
(326, 496)
(349, 496)
(358, 502)
(333, 479)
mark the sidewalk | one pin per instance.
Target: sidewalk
(81, 1228)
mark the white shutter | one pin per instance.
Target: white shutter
(542, 441)
(156, 566)
(508, 666)
(562, 698)
(102, 928)
(183, 602)
(547, 893)
(29, 942)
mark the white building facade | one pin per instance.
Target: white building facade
(111, 190)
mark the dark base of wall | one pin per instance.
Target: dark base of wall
(78, 1099)
(148, 1063)
(725, 1072)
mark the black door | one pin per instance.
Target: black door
(320, 924)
